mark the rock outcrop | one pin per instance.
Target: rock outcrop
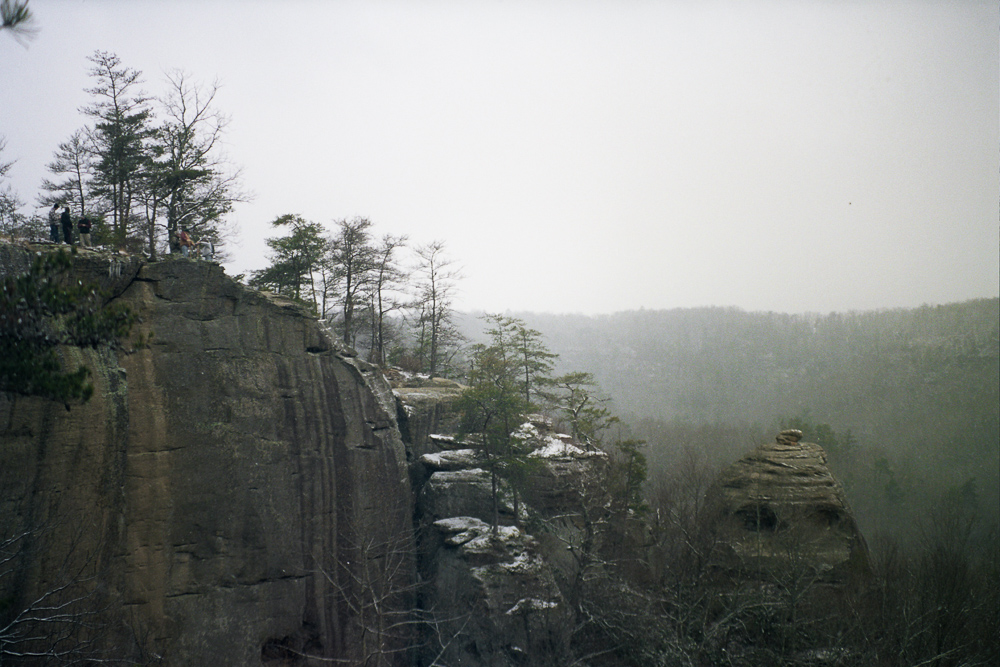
(226, 486)
(494, 595)
(424, 409)
(779, 512)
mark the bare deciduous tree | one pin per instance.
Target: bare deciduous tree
(436, 284)
(385, 291)
(375, 582)
(196, 182)
(68, 617)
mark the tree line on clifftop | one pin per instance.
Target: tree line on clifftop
(143, 168)
(398, 309)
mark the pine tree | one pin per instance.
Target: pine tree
(11, 220)
(18, 19)
(121, 138)
(353, 259)
(295, 260)
(577, 399)
(492, 408)
(498, 400)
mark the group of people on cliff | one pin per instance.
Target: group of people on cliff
(64, 221)
(181, 242)
(185, 244)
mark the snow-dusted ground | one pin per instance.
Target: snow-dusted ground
(546, 445)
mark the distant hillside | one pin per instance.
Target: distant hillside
(906, 401)
(921, 385)
(912, 372)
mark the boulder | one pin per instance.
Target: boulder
(779, 511)
(425, 408)
(563, 472)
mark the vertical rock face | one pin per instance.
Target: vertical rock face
(425, 408)
(779, 510)
(228, 481)
(494, 594)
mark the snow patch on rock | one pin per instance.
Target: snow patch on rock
(465, 476)
(451, 459)
(525, 605)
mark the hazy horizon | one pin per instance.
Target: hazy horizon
(586, 157)
(521, 313)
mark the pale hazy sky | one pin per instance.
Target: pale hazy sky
(582, 156)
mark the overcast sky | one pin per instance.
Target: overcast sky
(583, 156)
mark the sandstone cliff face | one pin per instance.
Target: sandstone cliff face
(425, 409)
(226, 484)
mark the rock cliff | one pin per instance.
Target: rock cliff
(225, 491)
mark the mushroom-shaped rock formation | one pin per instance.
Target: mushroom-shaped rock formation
(779, 512)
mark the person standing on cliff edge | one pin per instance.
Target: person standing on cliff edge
(54, 223)
(207, 249)
(83, 226)
(186, 242)
(67, 225)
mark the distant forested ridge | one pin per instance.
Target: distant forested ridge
(919, 387)
(898, 370)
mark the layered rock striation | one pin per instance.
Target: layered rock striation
(779, 511)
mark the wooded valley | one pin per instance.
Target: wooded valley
(906, 402)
